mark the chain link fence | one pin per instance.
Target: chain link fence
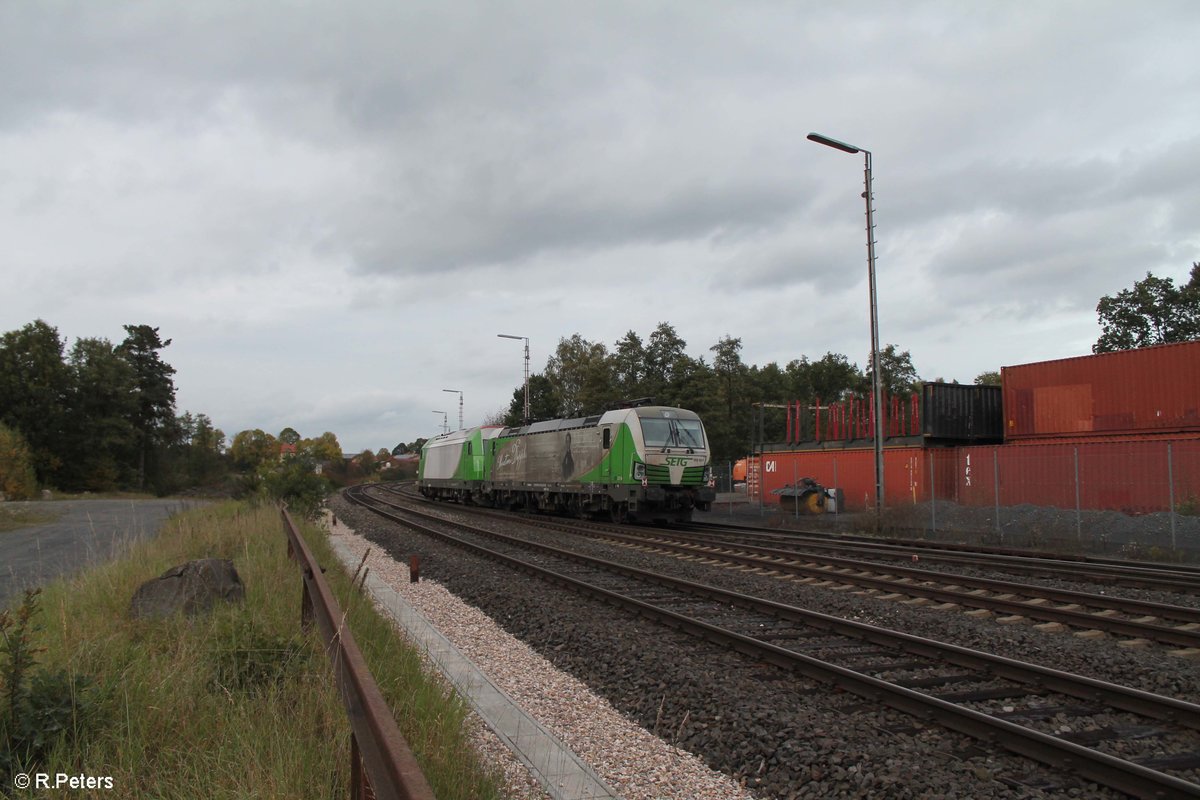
(1137, 498)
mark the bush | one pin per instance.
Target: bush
(17, 478)
(1190, 507)
(296, 483)
(41, 706)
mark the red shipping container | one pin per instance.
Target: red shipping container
(1151, 390)
(1135, 474)
(905, 474)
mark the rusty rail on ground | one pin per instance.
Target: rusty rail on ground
(382, 765)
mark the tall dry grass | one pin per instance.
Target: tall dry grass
(236, 703)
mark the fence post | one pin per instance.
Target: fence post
(1171, 494)
(932, 494)
(306, 603)
(358, 782)
(796, 500)
(730, 503)
(837, 507)
(1079, 522)
(996, 491)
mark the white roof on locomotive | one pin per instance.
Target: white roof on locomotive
(607, 418)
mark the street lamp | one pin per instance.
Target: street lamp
(876, 379)
(526, 338)
(459, 393)
(445, 423)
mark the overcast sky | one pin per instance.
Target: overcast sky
(333, 208)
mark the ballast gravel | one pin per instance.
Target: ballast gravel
(776, 733)
(637, 764)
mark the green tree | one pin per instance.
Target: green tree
(666, 363)
(629, 366)
(773, 385)
(251, 449)
(365, 463)
(697, 387)
(17, 478)
(325, 449)
(34, 384)
(289, 436)
(1154, 311)
(544, 402)
(581, 373)
(103, 407)
(799, 379)
(730, 371)
(295, 482)
(154, 392)
(201, 450)
(898, 376)
(991, 378)
(832, 377)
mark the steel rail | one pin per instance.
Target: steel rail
(778, 560)
(1137, 573)
(758, 555)
(1095, 765)
(1185, 614)
(1140, 574)
(1133, 700)
(1184, 570)
(392, 772)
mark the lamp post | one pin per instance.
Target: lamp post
(445, 422)
(460, 396)
(526, 338)
(876, 378)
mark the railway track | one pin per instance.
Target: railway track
(1150, 575)
(1139, 622)
(1136, 574)
(1139, 743)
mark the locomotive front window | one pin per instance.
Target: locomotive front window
(672, 432)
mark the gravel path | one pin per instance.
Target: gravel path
(780, 735)
(86, 532)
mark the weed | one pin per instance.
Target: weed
(1189, 507)
(42, 706)
(246, 658)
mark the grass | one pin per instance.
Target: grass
(13, 516)
(237, 703)
(56, 496)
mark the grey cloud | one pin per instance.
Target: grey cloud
(362, 165)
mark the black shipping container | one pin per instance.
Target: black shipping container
(962, 412)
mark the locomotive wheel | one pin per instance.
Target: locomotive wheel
(617, 513)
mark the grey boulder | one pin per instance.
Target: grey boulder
(192, 588)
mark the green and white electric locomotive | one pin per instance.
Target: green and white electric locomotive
(643, 463)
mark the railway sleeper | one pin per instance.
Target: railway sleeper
(1112, 733)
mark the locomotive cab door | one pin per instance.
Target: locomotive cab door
(606, 457)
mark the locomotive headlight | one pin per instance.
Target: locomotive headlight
(708, 474)
(639, 471)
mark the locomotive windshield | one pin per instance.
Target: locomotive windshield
(672, 432)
